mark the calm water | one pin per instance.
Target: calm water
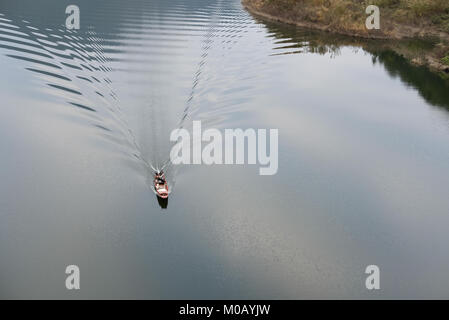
(363, 157)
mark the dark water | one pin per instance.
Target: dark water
(363, 157)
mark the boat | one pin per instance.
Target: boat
(161, 185)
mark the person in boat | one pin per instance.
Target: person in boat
(159, 179)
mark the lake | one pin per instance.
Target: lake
(363, 157)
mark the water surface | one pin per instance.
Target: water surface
(363, 157)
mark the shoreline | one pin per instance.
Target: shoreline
(435, 59)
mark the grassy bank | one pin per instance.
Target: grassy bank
(399, 19)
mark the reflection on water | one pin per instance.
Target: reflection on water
(162, 202)
(86, 117)
(429, 85)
